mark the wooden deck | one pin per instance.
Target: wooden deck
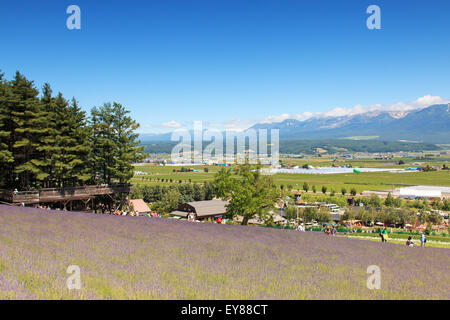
(63, 194)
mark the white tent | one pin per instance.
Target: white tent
(420, 192)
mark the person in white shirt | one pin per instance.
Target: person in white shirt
(410, 242)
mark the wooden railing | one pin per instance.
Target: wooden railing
(60, 194)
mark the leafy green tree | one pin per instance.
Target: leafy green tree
(305, 186)
(199, 194)
(291, 213)
(348, 215)
(437, 204)
(168, 203)
(389, 201)
(249, 192)
(398, 203)
(209, 189)
(435, 218)
(314, 189)
(446, 205)
(309, 214)
(353, 192)
(424, 217)
(324, 189)
(343, 191)
(426, 204)
(323, 215)
(407, 216)
(428, 229)
(375, 201)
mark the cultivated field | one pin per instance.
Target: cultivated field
(361, 182)
(150, 258)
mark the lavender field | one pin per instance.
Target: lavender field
(150, 258)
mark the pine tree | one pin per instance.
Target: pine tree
(61, 156)
(127, 146)
(103, 143)
(47, 142)
(6, 156)
(114, 143)
(28, 127)
(48, 146)
(79, 144)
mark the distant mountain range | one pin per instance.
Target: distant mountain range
(431, 124)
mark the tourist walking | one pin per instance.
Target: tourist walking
(384, 235)
(423, 239)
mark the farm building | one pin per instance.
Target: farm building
(202, 209)
(336, 217)
(140, 206)
(413, 192)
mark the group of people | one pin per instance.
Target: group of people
(125, 213)
(410, 243)
(384, 235)
(330, 230)
(423, 240)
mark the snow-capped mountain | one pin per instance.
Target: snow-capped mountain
(431, 124)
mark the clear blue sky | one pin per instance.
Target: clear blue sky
(215, 60)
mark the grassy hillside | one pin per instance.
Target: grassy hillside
(151, 258)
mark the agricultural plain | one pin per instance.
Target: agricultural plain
(361, 182)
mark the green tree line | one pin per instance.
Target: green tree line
(48, 141)
(166, 199)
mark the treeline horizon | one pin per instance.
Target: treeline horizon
(309, 147)
(48, 141)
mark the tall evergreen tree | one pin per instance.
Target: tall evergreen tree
(126, 140)
(48, 146)
(103, 144)
(61, 156)
(28, 127)
(6, 156)
(79, 144)
(115, 143)
(47, 142)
